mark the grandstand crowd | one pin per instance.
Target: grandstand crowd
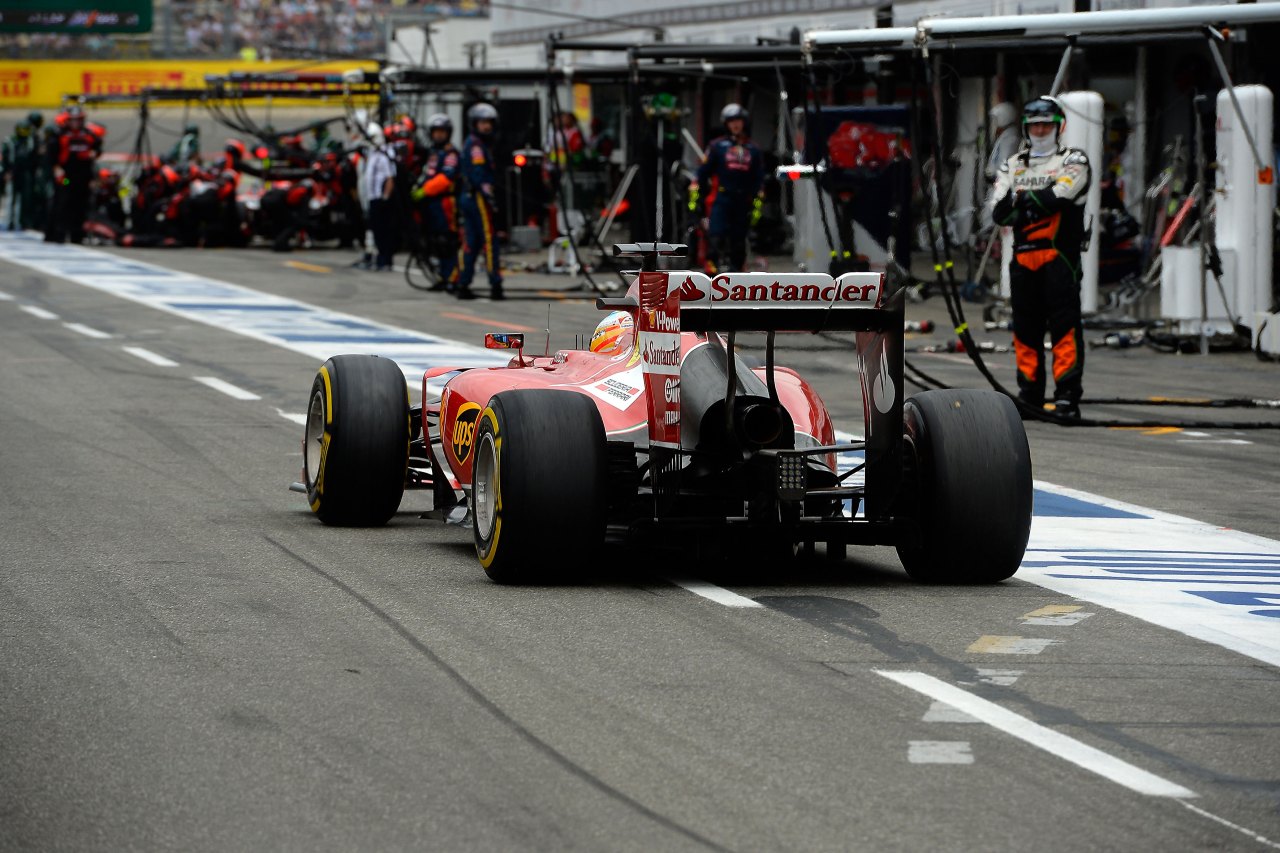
(244, 29)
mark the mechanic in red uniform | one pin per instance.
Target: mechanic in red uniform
(1040, 192)
(74, 153)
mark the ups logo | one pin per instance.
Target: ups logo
(464, 431)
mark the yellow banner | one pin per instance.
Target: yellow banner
(43, 83)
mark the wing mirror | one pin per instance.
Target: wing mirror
(506, 340)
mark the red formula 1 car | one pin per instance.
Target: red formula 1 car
(670, 436)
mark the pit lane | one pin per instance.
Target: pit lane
(195, 662)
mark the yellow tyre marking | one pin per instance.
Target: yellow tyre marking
(328, 396)
(324, 438)
(486, 560)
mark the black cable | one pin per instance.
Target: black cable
(936, 383)
(1189, 402)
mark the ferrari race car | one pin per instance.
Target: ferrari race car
(665, 433)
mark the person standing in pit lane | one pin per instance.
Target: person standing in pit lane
(478, 202)
(733, 175)
(380, 184)
(76, 150)
(1040, 192)
(18, 162)
(437, 196)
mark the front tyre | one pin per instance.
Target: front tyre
(356, 451)
(538, 484)
(968, 486)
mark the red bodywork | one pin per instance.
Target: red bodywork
(614, 380)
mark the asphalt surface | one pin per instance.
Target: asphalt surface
(191, 661)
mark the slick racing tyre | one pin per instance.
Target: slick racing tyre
(538, 484)
(356, 451)
(968, 484)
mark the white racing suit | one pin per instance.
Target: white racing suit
(1042, 199)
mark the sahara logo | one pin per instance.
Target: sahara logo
(464, 431)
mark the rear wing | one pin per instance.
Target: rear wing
(780, 302)
(668, 302)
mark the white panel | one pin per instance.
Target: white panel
(1245, 205)
(1085, 131)
(1180, 285)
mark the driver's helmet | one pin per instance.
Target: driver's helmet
(613, 331)
(1045, 110)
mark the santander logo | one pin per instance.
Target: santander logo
(690, 291)
(794, 290)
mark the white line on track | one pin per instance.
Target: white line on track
(87, 331)
(36, 311)
(148, 355)
(718, 594)
(1261, 839)
(1056, 743)
(226, 388)
(300, 420)
(939, 752)
(4, 297)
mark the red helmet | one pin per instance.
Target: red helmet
(236, 149)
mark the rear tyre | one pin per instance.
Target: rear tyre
(356, 450)
(538, 484)
(969, 486)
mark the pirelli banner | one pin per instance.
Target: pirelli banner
(43, 83)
